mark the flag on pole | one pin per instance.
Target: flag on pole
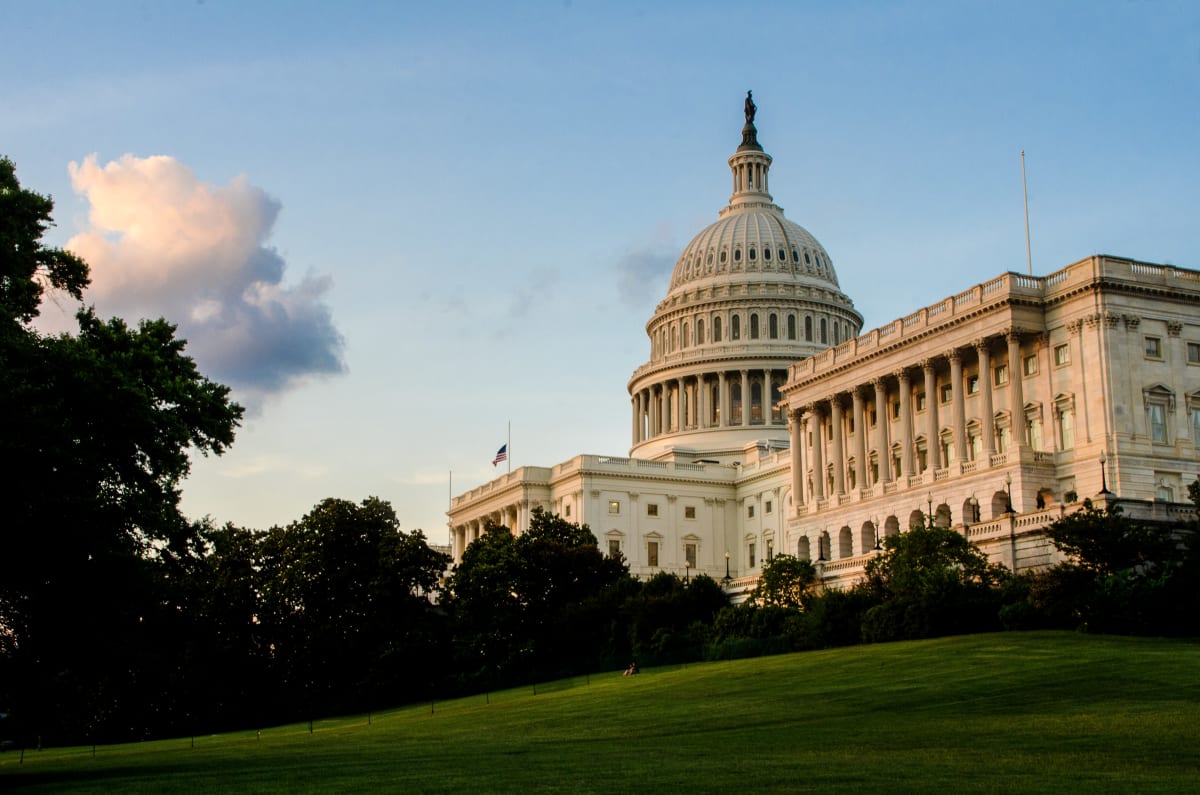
(501, 455)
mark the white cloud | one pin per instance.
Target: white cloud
(161, 242)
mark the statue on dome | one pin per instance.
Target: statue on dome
(751, 108)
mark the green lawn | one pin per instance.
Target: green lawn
(1018, 711)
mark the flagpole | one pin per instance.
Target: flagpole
(1025, 191)
(450, 507)
(508, 447)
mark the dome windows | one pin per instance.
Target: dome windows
(737, 255)
(807, 261)
(717, 328)
(723, 254)
(796, 255)
(782, 255)
(773, 326)
(753, 326)
(699, 331)
(752, 254)
(735, 327)
(767, 254)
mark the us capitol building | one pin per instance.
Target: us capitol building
(767, 421)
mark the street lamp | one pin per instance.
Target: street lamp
(728, 579)
(974, 509)
(1104, 474)
(687, 570)
(878, 546)
(1008, 491)
(929, 513)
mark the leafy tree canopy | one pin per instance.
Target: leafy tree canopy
(786, 581)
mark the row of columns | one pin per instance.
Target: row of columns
(686, 402)
(510, 516)
(819, 428)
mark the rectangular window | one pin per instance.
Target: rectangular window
(1000, 375)
(689, 555)
(920, 401)
(652, 509)
(1193, 352)
(614, 547)
(946, 391)
(567, 510)
(1164, 494)
(1029, 364)
(972, 385)
(1153, 348)
(1033, 431)
(1195, 415)
(896, 409)
(689, 512)
(652, 553)
(749, 511)
(767, 507)
(614, 506)
(751, 554)
(1158, 423)
(1066, 428)
(1062, 355)
(1003, 439)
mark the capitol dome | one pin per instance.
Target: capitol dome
(750, 295)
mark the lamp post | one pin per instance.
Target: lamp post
(929, 513)
(878, 546)
(687, 570)
(821, 548)
(974, 509)
(728, 579)
(1008, 491)
(1104, 474)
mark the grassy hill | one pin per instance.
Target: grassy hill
(1003, 712)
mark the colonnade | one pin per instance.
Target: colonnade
(513, 516)
(889, 429)
(723, 399)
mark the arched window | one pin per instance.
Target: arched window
(837, 333)
(773, 326)
(767, 254)
(753, 326)
(737, 255)
(791, 327)
(735, 327)
(674, 338)
(753, 254)
(699, 331)
(756, 412)
(686, 333)
(824, 332)
(808, 329)
(735, 403)
(717, 328)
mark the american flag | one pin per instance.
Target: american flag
(501, 455)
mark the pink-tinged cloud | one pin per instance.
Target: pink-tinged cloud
(162, 243)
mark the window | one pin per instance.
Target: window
(749, 511)
(808, 329)
(1062, 355)
(652, 509)
(735, 327)
(614, 506)
(689, 512)
(753, 326)
(751, 554)
(920, 401)
(689, 554)
(737, 255)
(792, 331)
(1158, 422)
(896, 409)
(723, 254)
(945, 392)
(1164, 493)
(767, 507)
(1153, 348)
(1029, 364)
(753, 253)
(972, 385)
(567, 510)
(773, 326)
(716, 329)
(699, 331)
(1193, 352)
(1194, 415)
(652, 553)
(824, 332)
(974, 444)
(1033, 427)
(1000, 375)
(614, 547)
(1066, 427)
(1003, 437)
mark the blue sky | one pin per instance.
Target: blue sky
(395, 227)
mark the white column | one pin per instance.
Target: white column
(906, 425)
(767, 409)
(958, 411)
(1016, 389)
(745, 398)
(881, 431)
(985, 379)
(679, 405)
(836, 454)
(722, 401)
(933, 445)
(795, 436)
(818, 459)
(860, 439)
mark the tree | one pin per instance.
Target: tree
(786, 581)
(931, 581)
(99, 427)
